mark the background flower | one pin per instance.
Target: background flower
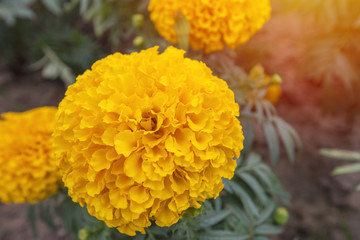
(27, 171)
(213, 23)
(145, 136)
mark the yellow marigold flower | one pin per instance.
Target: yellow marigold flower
(28, 172)
(213, 22)
(145, 136)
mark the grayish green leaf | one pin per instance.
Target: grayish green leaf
(254, 185)
(272, 141)
(341, 154)
(245, 198)
(267, 229)
(54, 6)
(351, 168)
(266, 213)
(213, 218)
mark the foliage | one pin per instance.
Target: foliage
(12, 9)
(244, 210)
(250, 90)
(56, 41)
(113, 18)
(347, 156)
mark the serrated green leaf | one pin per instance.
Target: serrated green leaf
(84, 5)
(101, 235)
(266, 213)
(253, 159)
(351, 168)
(45, 216)
(341, 154)
(264, 176)
(221, 235)
(254, 185)
(246, 200)
(54, 6)
(260, 238)
(218, 203)
(287, 140)
(267, 229)
(248, 132)
(31, 218)
(50, 71)
(239, 213)
(213, 218)
(272, 140)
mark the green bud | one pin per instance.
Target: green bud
(137, 20)
(276, 79)
(83, 234)
(139, 42)
(193, 212)
(281, 216)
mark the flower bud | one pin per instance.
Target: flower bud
(83, 234)
(276, 79)
(137, 20)
(281, 216)
(139, 42)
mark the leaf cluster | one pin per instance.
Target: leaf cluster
(249, 89)
(347, 156)
(53, 34)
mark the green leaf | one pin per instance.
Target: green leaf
(84, 5)
(341, 154)
(239, 213)
(31, 218)
(54, 6)
(267, 229)
(253, 159)
(286, 140)
(213, 218)
(272, 140)
(266, 213)
(352, 168)
(254, 185)
(249, 205)
(358, 187)
(218, 203)
(101, 235)
(260, 238)
(221, 235)
(263, 174)
(45, 215)
(248, 131)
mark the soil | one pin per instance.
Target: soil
(322, 206)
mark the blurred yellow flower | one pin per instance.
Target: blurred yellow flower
(145, 136)
(273, 93)
(213, 23)
(28, 172)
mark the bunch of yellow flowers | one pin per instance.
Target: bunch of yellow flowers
(145, 136)
(213, 23)
(28, 172)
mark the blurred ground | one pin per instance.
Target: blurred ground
(323, 207)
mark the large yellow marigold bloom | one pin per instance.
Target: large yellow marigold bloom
(213, 23)
(28, 172)
(145, 136)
